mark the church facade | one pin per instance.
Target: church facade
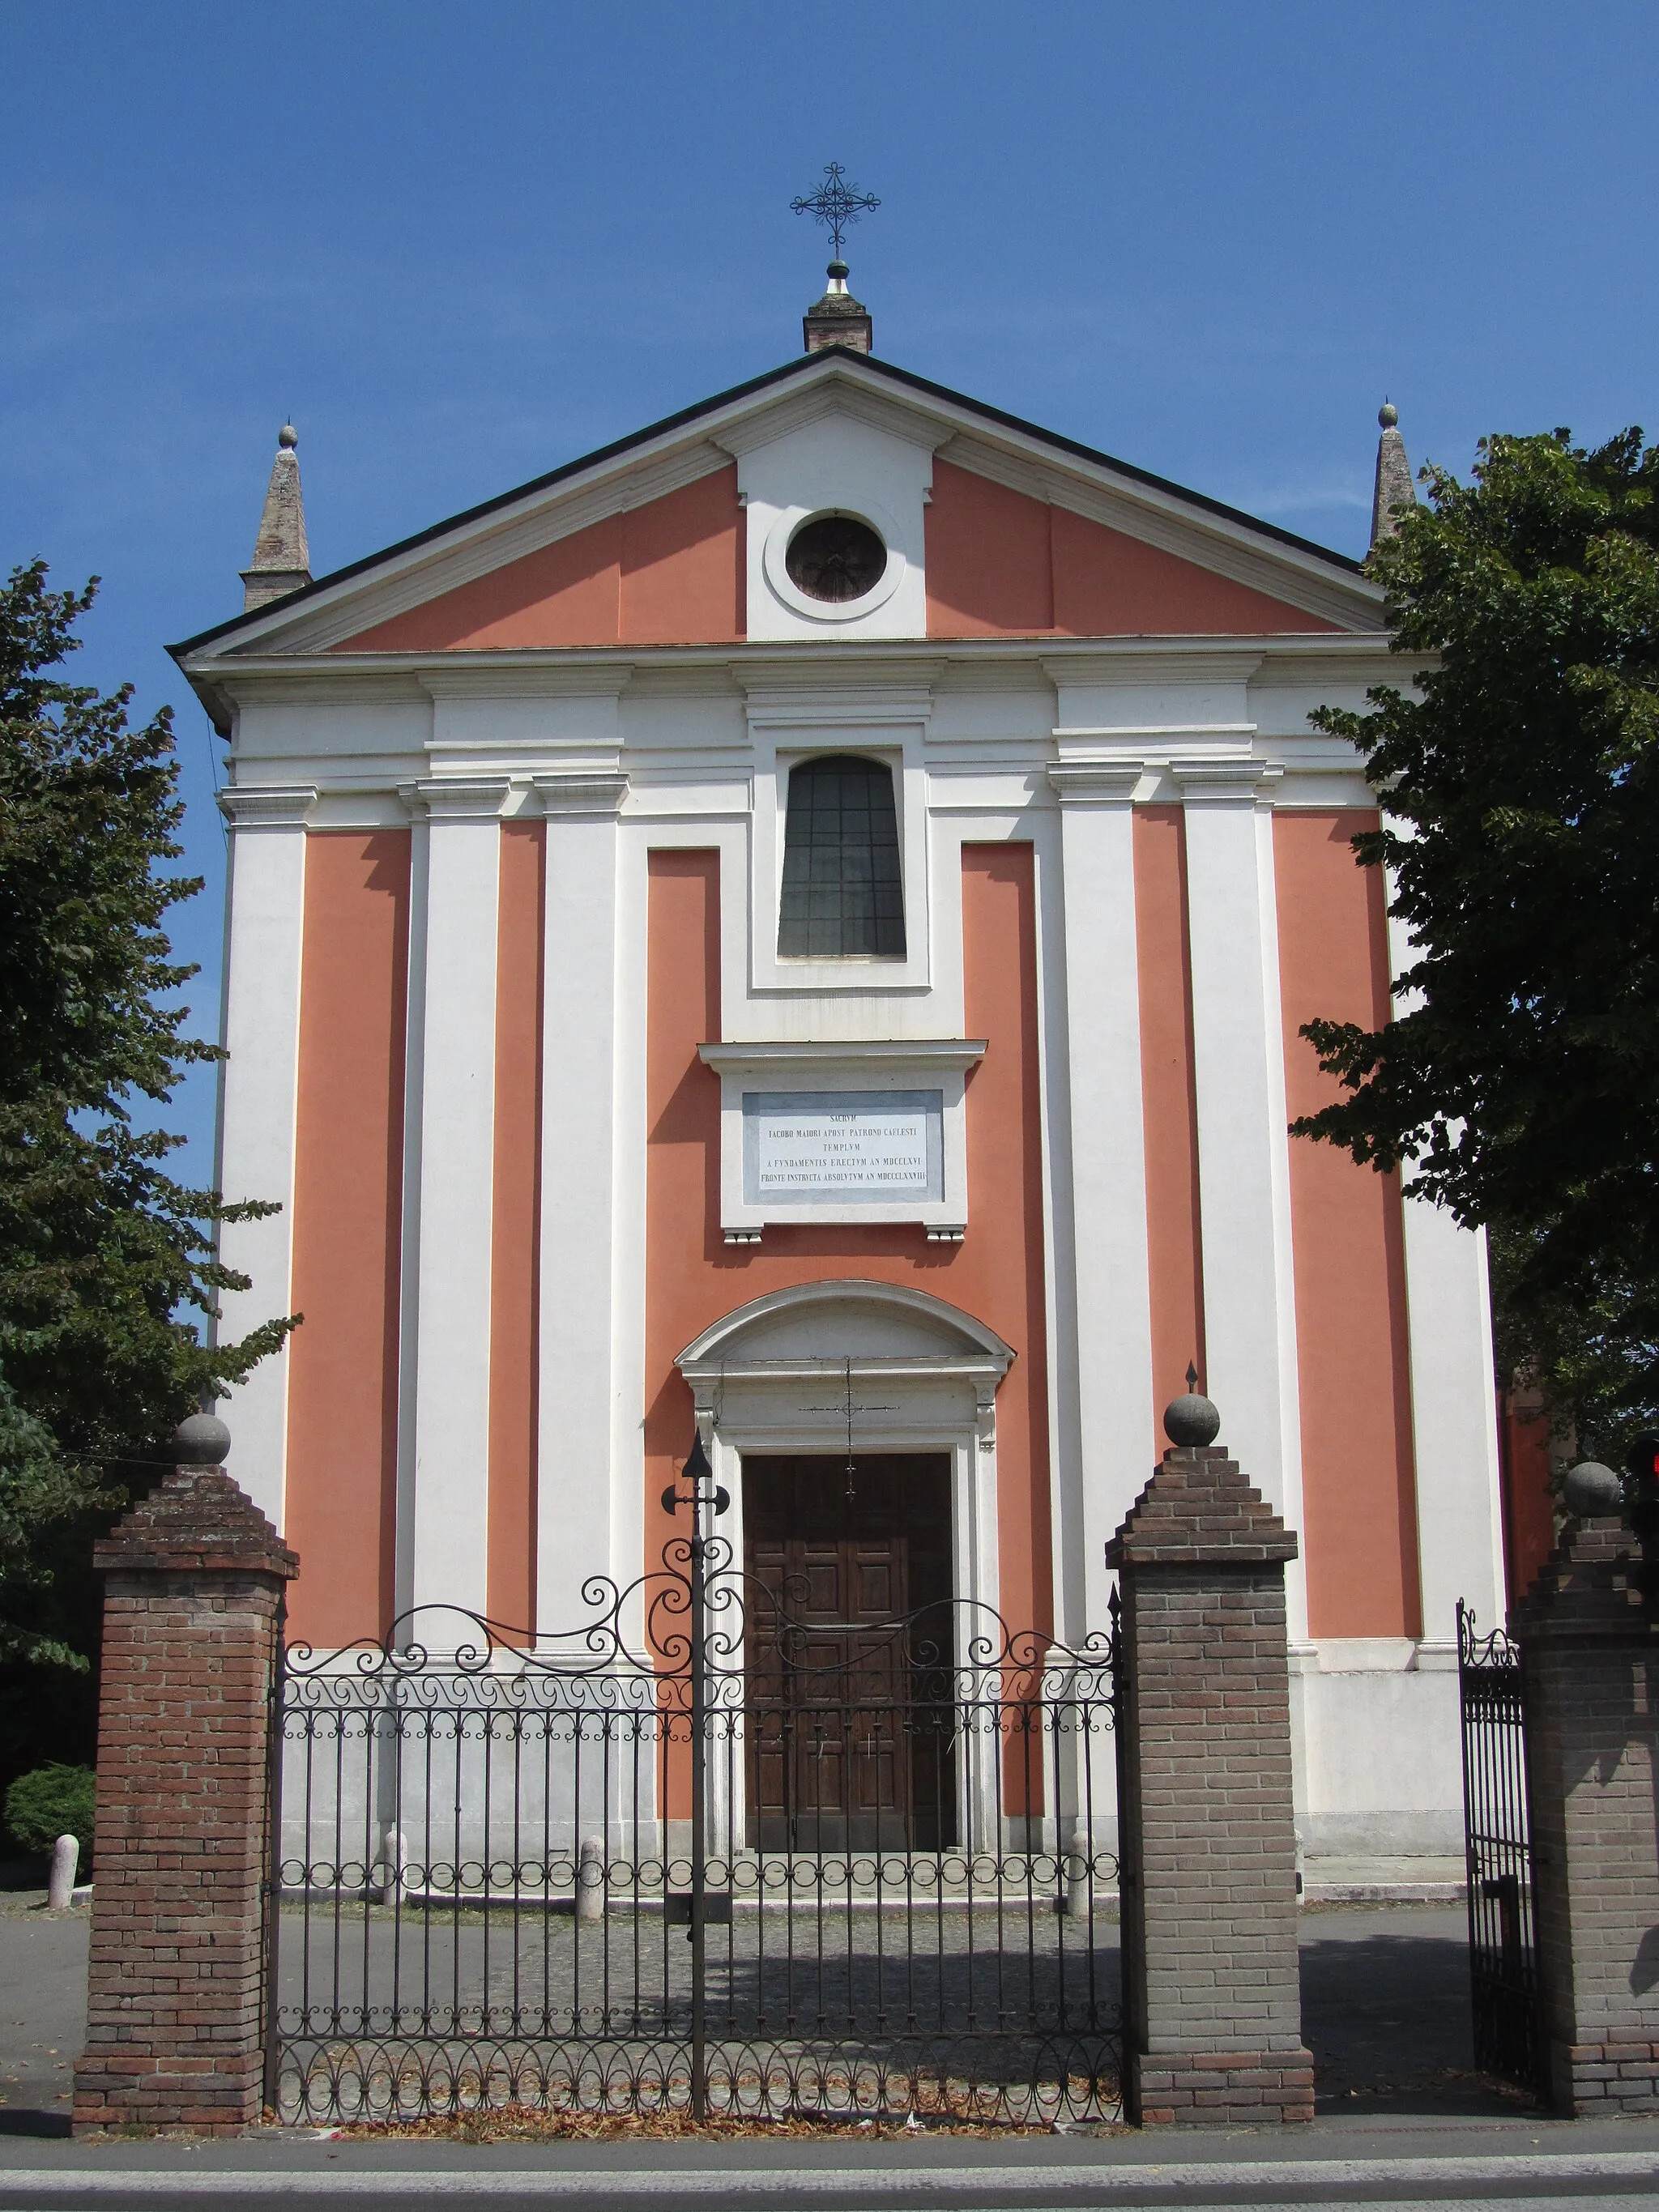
(796, 927)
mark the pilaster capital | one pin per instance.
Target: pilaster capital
(457, 799)
(272, 807)
(1225, 783)
(572, 794)
(1098, 783)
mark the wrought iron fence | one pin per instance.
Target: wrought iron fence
(699, 1855)
(1505, 1984)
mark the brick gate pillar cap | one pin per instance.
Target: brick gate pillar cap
(195, 1521)
(1199, 1509)
(1595, 1586)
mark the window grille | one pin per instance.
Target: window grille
(843, 895)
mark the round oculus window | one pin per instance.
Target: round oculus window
(836, 557)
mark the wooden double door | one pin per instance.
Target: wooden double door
(851, 1710)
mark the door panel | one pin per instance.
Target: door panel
(849, 1734)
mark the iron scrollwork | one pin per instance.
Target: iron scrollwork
(1504, 1981)
(489, 1850)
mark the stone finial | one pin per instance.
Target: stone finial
(200, 1440)
(837, 319)
(1191, 1419)
(1593, 1491)
(1395, 488)
(282, 559)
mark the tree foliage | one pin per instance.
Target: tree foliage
(1520, 785)
(53, 1800)
(100, 1250)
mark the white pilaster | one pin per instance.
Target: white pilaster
(1109, 1165)
(456, 988)
(1243, 1152)
(579, 1311)
(266, 903)
(1460, 1529)
(1460, 1535)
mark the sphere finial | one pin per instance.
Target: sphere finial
(1593, 1491)
(1191, 1420)
(287, 437)
(200, 1440)
(1388, 415)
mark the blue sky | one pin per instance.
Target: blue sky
(462, 243)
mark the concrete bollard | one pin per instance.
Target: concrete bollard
(590, 1880)
(392, 1865)
(60, 1882)
(1076, 1864)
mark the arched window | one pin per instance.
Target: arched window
(842, 891)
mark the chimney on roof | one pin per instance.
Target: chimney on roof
(282, 559)
(1395, 488)
(837, 319)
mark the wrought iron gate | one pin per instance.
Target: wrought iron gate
(1509, 2035)
(695, 1856)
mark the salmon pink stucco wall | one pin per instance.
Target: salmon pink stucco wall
(341, 1513)
(1001, 564)
(1524, 1439)
(1358, 1486)
(693, 1277)
(668, 573)
(1169, 1105)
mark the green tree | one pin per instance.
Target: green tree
(1521, 782)
(100, 1250)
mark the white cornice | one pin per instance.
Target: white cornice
(1089, 660)
(813, 706)
(1225, 783)
(276, 807)
(567, 796)
(1098, 783)
(919, 1368)
(458, 679)
(1231, 734)
(1087, 664)
(772, 1059)
(457, 799)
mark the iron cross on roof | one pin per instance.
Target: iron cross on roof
(837, 205)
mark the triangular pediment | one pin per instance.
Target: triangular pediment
(643, 543)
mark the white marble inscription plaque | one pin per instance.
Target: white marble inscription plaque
(837, 1147)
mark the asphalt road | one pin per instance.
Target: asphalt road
(892, 2178)
(43, 2012)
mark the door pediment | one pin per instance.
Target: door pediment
(875, 1326)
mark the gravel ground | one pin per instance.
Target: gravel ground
(1385, 2001)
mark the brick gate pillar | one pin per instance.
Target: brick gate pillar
(1588, 1631)
(193, 1581)
(1212, 2007)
